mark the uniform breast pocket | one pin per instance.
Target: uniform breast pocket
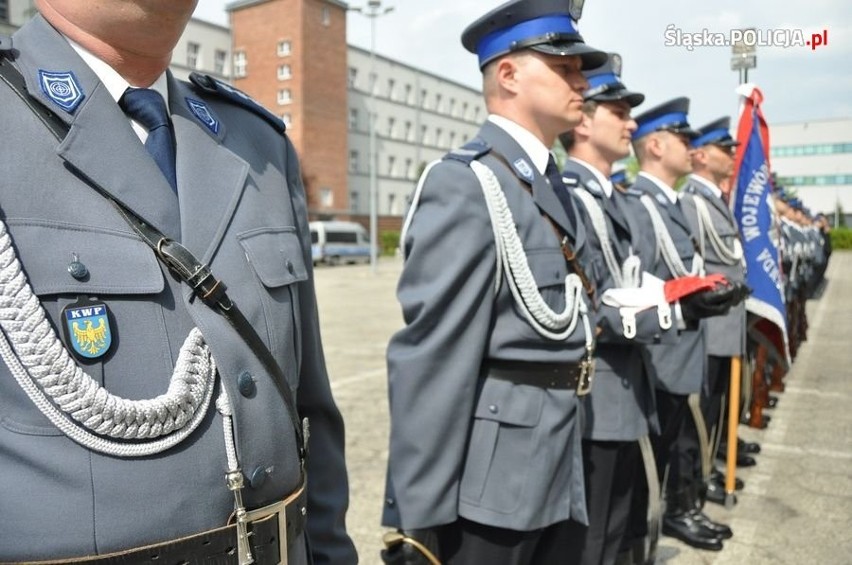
(63, 264)
(276, 258)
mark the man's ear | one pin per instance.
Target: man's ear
(506, 74)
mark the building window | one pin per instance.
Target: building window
(284, 72)
(353, 118)
(374, 83)
(423, 95)
(284, 96)
(284, 48)
(391, 87)
(423, 135)
(287, 118)
(326, 197)
(353, 74)
(391, 202)
(452, 142)
(409, 132)
(353, 200)
(326, 16)
(409, 169)
(192, 51)
(438, 102)
(4, 10)
(452, 109)
(439, 136)
(391, 166)
(353, 161)
(391, 127)
(476, 114)
(408, 92)
(219, 58)
(240, 64)
(464, 111)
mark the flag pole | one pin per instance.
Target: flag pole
(733, 421)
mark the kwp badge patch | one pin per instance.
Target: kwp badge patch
(87, 328)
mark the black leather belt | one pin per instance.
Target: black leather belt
(218, 546)
(560, 376)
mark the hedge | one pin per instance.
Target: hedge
(841, 238)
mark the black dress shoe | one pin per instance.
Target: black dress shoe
(716, 493)
(689, 531)
(749, 447)
(746, 461)
(720, 530)
(773, 402)
(718, 477)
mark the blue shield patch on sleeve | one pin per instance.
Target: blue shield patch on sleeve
(204, 114)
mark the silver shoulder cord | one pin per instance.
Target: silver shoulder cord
(728, 255)
(667, 247)
(90, 415)
(626, 275)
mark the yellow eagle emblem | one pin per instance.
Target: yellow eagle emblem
(91, 339)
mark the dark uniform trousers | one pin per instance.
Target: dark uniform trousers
(718, 381)
(611, 469)
(468, 543)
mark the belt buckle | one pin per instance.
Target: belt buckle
(587, 373)
(268, 511)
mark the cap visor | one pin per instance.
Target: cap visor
(633, 99)
(591, 57)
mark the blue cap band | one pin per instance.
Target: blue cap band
(673, 119)
(710, 137)
(605, 78)
(500, 41)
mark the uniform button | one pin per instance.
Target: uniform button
(290, 268)
(258, 477)
(493, 409)
(78, 270)
(245, 382)
(390, 502)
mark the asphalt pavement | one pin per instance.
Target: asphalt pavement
(796, 507)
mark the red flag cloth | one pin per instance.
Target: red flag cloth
(676, 289)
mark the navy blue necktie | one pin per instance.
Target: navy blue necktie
(561, 191)
(147, 107)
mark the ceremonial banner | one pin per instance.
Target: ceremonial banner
(752, 207)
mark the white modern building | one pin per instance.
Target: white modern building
(815, 159)
(418, 118)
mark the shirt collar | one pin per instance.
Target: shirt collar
(605, 183)
(667, 190)
(112, 81)
(534, 148)
(712, 186)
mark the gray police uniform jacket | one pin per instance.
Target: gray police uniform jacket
(621, 405)
(242, 209)
(677, 368)
(726, 334)
(463, 444)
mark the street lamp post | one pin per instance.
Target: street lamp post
(373, 10)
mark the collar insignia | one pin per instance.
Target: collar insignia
(62, 88)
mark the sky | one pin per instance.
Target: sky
(799, 83)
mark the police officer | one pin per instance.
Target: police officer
(703, 199)
(662, 146)
(160, 342)
(485, 453)
(619, 411)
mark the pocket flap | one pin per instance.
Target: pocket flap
(275, 254)
(508, 403)
(115, 262)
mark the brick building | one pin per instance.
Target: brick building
(290, 55)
